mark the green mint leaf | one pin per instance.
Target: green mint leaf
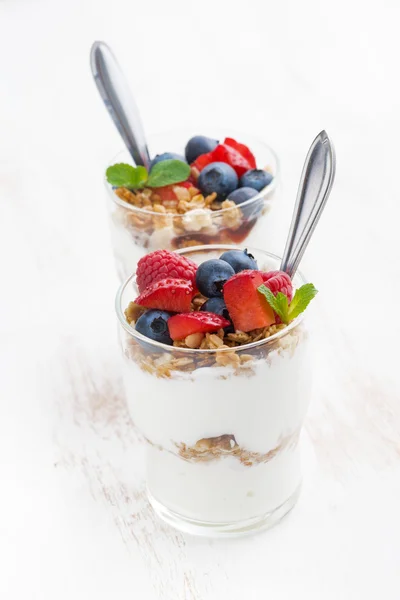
(301, 300)
(278, 303)
(123, 175)
(168, 172)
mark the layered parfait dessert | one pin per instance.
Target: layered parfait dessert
(217, 380)
(207, 191)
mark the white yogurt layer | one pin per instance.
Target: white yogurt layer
(222, 490)
(260, 407)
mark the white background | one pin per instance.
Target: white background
(74, 520)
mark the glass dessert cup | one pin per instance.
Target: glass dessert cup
(136, 231)
(222, 425)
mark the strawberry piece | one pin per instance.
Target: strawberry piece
(203, 160)
(278, 281)
(247, 308)
(166, 193)
(174, 295)
(180, 326)
(187, 184)
(243, 150)
(238, 156)
(161, 264)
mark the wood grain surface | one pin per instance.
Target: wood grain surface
(74, 518)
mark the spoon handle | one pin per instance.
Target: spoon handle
(119, 102)
(314, 189)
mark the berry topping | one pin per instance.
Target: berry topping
(166, 156)
(242, 195)
(170, 294)
(211, 276)
(287, 311)
(278, 281)
(180, 326)
(256, 179)
(218, 307)
(153, 324)
(247, 307)
(238, 156)
(239, 260)
(218, 177)
(197, 145)
(161, 264)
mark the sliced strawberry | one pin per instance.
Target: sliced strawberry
(180, 326)
(174, 295)
(166, 193)
(187, 184)
(243, 150)
(248, 308)
(203, 160)
(231, 152)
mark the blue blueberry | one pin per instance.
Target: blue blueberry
(218, 177)
(239, 260)
(242, 194)
(218, 307)
(166, 156)
(197, 145)
(211, 276)
(153, 324)
(256, 179)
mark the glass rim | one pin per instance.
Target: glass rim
(142, 338)
(263, 194)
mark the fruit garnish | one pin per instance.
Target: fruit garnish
(218, 177)
(167, 172)
(242, 195)
(197, 145)
(278, 281)
(174, 295)
(280, 303)
(218, 307)
(123, 175)
(238, 156)
(166, 156)
(257, 179)
(240, 260)
(211, 276)
(161, 264)
(247, 308)
(180, 326)
(163, 173)
(154, 325)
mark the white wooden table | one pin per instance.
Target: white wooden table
(74, 519)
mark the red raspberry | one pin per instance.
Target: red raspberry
(174, 295)
(161, 264)
(180, 326)
(278, 281)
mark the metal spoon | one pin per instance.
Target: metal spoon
(118, 100)
(314, 189)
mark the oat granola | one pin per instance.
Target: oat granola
(208, 449)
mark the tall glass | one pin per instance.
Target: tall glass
(136, 230)
(222, 425)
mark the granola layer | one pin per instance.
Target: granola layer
(215, 448)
